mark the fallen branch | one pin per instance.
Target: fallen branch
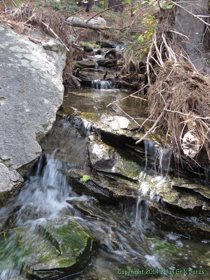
(90, 26)
(127, 114)
(57, 37)
(74, 80)
(131, 95)
(133, 22)
(5, 7)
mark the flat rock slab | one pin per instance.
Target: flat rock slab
(31, 91)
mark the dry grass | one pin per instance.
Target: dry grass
(48, 21)
(179, 99)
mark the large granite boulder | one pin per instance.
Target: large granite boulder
(31, 91)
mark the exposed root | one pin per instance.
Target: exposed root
(179, 99)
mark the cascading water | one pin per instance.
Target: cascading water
(128, 235)
(130, 239)
(98, 84)
(158, 158)
(42, 199)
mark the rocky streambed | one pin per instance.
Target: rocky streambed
(97, 206)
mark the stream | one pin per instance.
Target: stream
(63, 226)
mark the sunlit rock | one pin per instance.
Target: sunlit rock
(190, 145)
(31, 92)
(106, 158)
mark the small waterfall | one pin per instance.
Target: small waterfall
(151, 156)
(96, 65)
(43, 196)
(146, 154)
(157, 159)
(98, 84)
(138, 221)
(164, 161)
(141, 215)
(206, 173)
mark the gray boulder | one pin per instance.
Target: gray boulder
(31, 91)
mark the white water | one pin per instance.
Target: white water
(44, 195)
(157, 159)
(123, 236)
(98, 84)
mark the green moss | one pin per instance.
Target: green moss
(58, 244)
(89, 44)
(92, 116)
(130, 169)
(162, 245)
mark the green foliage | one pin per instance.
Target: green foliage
(167, 5)
(103, 3)
(128, 1)
(89, 44)
(64, 6)
(149, 22)
(85, 178)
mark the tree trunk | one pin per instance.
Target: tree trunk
(132, 7)
(89, 5)
(194, 29)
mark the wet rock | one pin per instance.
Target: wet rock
(85, 64)
(190, 227)
(74, 150)
(82, 77)
(105, 158)
(31, 92)
(104, 187)
(178, 208)
(104, 44)
(197, 188)
(181, 199)
(99, 52)
(88, 49)
(113, 54)
(52, 250)
(108, 63)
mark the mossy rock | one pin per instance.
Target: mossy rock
(55, 248)
(84, 64)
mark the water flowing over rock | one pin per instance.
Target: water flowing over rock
(31, 91)
(41, 237)
(97, 206)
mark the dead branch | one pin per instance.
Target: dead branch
(5, 7)
(158, 1)
(133, 22)
(130, 95)
(74, 80)
(90, 26)
(78, 12)
(57, 37)
(196, 16)
(126, 114)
